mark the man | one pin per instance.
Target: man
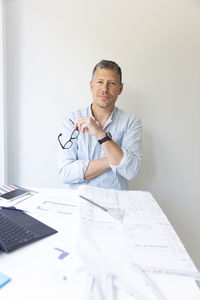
(101, 145)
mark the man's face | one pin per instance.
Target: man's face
(105, 88)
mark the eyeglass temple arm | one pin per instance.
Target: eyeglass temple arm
(71, 121)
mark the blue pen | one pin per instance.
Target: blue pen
(4, 279)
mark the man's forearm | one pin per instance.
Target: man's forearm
(113, 152)
(96, 167)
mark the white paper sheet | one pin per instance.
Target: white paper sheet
(135, 251)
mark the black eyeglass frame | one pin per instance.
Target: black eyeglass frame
(75, 131)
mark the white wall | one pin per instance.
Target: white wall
(2, 98)
(52, 47)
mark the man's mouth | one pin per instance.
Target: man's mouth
(104, 96)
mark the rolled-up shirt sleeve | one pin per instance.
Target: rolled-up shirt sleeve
(71, 169)
(131, 147)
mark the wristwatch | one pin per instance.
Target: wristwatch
(108, 137)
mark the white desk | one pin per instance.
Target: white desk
(42, 269)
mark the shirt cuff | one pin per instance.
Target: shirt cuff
(114, 167)
(124, 163)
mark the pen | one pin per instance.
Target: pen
(103, 208)
(115, 213)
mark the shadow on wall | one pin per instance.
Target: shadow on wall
(144, 179)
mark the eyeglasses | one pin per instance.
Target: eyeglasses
(69, 143)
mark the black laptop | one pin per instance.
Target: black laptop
(18, 229)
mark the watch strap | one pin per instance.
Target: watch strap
(103, 140)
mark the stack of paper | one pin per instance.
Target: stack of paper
(139, 254)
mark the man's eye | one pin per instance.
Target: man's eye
(99, 81)
(112, 83)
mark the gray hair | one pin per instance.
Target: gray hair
(108, 64)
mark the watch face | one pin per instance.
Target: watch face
(109, 135)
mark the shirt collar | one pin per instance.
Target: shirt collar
(109, 119)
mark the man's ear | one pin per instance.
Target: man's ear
(91, 84)
(121, 88)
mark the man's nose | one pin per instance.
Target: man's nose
(105, 87)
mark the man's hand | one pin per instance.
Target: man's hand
(89, 125)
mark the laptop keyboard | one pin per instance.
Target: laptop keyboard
(13, 236)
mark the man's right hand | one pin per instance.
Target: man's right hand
(89, 125)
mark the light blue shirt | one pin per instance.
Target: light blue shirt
(126, 131)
